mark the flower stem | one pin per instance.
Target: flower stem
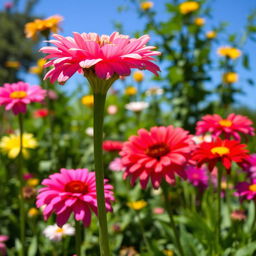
(99, 104)
(170, 213)
(78, 238)
(218, 227)
(21, 199)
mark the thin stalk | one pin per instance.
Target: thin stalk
(218, 227)
(99, 104)
(170, 213)
(78, 238)
(21, 199)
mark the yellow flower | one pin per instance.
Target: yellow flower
(145, 6)
(168, 252)
(48, 25)
(88, 100)
(138, 76)
(12, 64)
(211, 34)
(11, 144)
(130, 90)
(33, 182)
(199, 21)
(33, 212)
(188, 7)
(229, 52)
(137, 205)
(38, 69)
(230, 77)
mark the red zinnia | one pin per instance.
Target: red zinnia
(159, 153)
(226, 151)
(229, 127)
(40, 113)
(112, 145)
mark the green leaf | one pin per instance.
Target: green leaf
(32, 249)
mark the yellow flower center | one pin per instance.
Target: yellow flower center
(76, 186)
(59, 230)
(252, 188)
(18, 95)
(137, 205)
(225, 123)
(220, 150)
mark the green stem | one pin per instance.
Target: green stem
(170, 213)
(99, 104)
(218, 227)
(78, 238)
(21, 199)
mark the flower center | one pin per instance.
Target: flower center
(225, 123)
(18, 95)
(252, 187)
(157, 150)
(76, 186)
(220, 150)
(59, 230)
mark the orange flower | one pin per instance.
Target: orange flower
(45, 26)
(211, 34)
(147, 5)
(199, 21)
(230, 77)
(229, 52)
(188, 7)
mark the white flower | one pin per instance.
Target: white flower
(55, 233)
(137, 106)
(154, 91)
(112, 109)
(201, 138)
(89, 131)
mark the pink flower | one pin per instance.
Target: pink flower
(16, 96)
(158, 154)
(116, 165)
(250, 166)
(197, 176)
(27, 176)
(52, 95)
(72, 191)
(246, 190)
(39, 113)
(158, 210)
(112, 145)
(105, 55)
(3, 239)
(112, 109)
(229, 127)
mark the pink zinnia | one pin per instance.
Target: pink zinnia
(158, 154)
(229, 127)
(105, 55)
(250, 166)
(16, 96)
(116, 165)
(246, 190)
(112, 145)
(197, 176)
(72, 191)
(3, 239)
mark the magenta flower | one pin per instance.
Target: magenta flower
(116, 165)
(229, 127)
(3, 239)
(197, 176)
(246, 190)
(72, 191)
(104, 55)
(16, 96)
(250, 166)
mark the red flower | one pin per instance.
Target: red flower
(111, 145)
(225, 151)
(158, 154)
(43, 112)
(229, 127)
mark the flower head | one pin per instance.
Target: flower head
(197, 176)
(112, 109)
(44, 26)
(112, 145)
(154, 91)
(238, 215)
(138, 76)
(3, 249)
(229, 127)
(246, 190)
(116, 165)
(102, 58)
(250, 166)
(40, 113)
(11, 144)
(16, 96)
(55, 233)
(88, 100)
(72, 191)
(211, 34)
(39, 68)
(33, 212)
(230, 77)
(229, 52)
(224, 151)
(147, 5)
(157, 154)
(199, 21)
(12, 64)
(137, 106)
(130, 90)
(188, 7)
(137, 205)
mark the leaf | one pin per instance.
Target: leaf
(248, 250)
(32, 249)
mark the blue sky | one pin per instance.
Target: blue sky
(99, 15)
